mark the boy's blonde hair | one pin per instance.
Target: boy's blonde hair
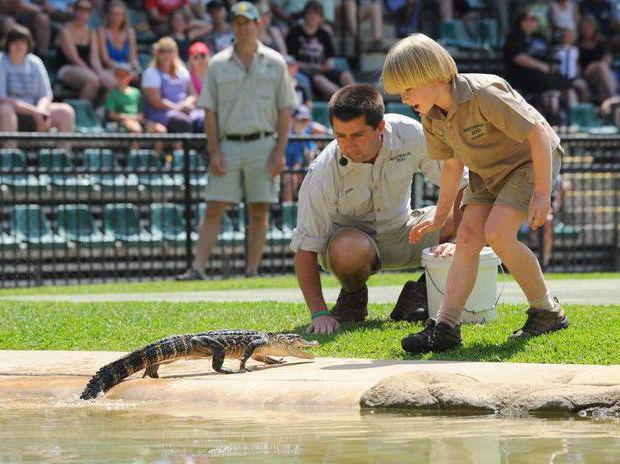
(415, 61)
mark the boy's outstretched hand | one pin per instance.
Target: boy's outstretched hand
(424, 227)
(539, 209)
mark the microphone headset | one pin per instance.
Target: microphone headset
(343, 161)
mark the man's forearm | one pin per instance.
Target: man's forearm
(540, 146)
(309, 278)
(283, 126)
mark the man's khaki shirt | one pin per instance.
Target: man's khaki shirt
(374, 198)
(247, 102)
(487, 129)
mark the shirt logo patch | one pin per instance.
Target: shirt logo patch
(476, 131)
(400, 157)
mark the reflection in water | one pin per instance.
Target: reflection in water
(118, 432)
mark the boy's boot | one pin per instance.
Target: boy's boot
(412, 303)
(351, 306)
(434, 337)
(541, 321)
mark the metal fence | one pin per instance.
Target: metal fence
(107, 207)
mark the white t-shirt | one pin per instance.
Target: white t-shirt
(152, 79)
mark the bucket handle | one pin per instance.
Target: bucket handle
(471, 311)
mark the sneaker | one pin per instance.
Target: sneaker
(412, 303)
(542, 321)
(191, 274)
(351, 307)
(434, 337)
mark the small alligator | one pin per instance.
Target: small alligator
(220, 344)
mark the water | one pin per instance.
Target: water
(118, 432)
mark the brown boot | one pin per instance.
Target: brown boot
(412, 303)
(542, 321)
(351, 307)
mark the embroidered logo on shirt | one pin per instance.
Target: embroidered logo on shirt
(476, 131)
(400, 157)
(349, 190)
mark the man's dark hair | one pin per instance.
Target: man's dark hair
(355, 100)
(314, 6)
(18, 32)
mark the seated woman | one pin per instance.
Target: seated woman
(117, 39)
(199, 56)
(170, 102)
(25, 91)
(78, 55)
(596, 60)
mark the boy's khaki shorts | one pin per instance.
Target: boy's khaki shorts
(516, 191)
(246, 172)
(392, 247)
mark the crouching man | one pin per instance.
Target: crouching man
(355, 213)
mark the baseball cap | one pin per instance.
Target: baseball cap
(198, 48)
(127, 67)
(245, 9)
(215, 4)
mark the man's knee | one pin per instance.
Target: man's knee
(497, 236)
(351, 249)
(469, 240)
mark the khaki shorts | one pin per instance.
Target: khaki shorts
(392, 247)
(516, 191)
(246, 172)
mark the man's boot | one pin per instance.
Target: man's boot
(351, 306)
(434, 337)
(412, 303)
(542, 321)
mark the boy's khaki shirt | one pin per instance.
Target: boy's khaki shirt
(487, 129)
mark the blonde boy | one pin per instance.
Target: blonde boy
(479, 121)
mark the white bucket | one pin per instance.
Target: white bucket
(482, 302)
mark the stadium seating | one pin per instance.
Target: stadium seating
(148, 167)
(401, 108)
(103, 170)
(454, 34)
(228, 234)
(197, 176)
(85, 117)
(168, 222)
(29, 225)
(320, 113)
(289, 217)
(57, 169)
(76, 224)
(123, 220)
(12, 169)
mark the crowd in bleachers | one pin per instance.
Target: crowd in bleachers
(140, 63)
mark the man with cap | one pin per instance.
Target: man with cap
(354, 211)
(248, 96)
(221, 35)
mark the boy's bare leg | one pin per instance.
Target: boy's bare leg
(501, 231)
(464, 268)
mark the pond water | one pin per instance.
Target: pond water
(118, 432)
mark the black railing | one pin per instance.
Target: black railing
(104, 211)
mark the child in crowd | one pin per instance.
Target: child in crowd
(479, 121)
(124, 103)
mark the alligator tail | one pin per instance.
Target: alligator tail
(114, 373)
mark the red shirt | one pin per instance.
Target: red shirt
(165, 7)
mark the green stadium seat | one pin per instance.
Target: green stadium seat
(320, 113)
(123, 220)
(289, 217)
(102, 169)
(167, 221)
(197, 168)
(341, 63)
(13, 171)
(454, 34)
(585, 116)
(147, 165)
(76, 224)
(56, 167)
(29, 225)
(227, 234)
(401, 108)
(85, 117)
(489, 34)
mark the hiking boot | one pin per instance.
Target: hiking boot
(351, 307)
(412, 303)
(191, 274)
(542, 321)
(434, 337)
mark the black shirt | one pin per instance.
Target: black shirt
(310, 48)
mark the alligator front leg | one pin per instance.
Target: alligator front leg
(204, 344)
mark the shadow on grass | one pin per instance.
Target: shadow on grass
(480, 352)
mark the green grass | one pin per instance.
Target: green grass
(593, 338)
(289, 281)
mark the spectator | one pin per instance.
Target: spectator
(604, 11)
(312, 47)
(79, 57)
(33, 16)
(244, 110)
(25, 91)
(221, 35)
(270, 35)
(369, 10)
(567, 57)
(595, 60)
(542, 10)
(117, 39)
(59, 11)
(199, 55)
(124, 103)
(160, 11)
(303, 87)
(170, 105)
(564, 15)
(179, 31)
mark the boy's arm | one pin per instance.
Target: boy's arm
(540, 145)
(451, 174)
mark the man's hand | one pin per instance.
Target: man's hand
(276, 162)
(323, 325)
(444, 250)
(424, 227)
(217, 164)
(539, 209)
